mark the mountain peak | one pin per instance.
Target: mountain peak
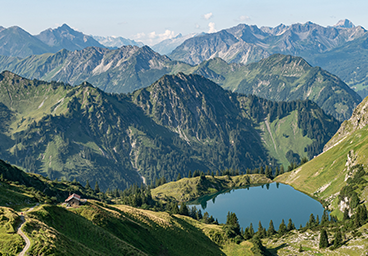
(65, 26)
(344, 24)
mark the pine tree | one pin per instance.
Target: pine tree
(300, 248)
(290, 225)
(323, 239)
(97, 188)
(338, 239)
(251, 230)
(271, 229)
(281, 169)
(277, 171)
(325, 217)
(346, 214)
(282, 227)
(179, 177)
(190, 174)
(312, 221)
(87, 185)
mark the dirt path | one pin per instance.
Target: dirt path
(20, 232)
(26, 239)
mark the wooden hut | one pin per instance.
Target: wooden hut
(73, 200)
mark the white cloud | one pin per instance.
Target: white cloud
(197, 26)
(208, 16)
(212, 28)
(154, 38)
(244, 18)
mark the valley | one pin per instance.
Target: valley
(241, 141)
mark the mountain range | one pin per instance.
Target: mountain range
(244, 43)
(339, 49)
(15, 41)
(168, 128)
(129, 68)
(116, 41)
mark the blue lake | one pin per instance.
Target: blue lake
(261, 203)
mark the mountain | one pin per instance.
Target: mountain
(338, 177)
(284, 78)
(67, 38)
(129, 68)
(168, 128)
(121, 70)
(14, 41)
(116, 41)
(244, 43)
(167, 46)
(349, 62)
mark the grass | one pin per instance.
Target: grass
(284, 132)
(10, 242)
(324, 176)
(188, 189)
(98, 229)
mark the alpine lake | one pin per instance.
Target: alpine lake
(261, 203)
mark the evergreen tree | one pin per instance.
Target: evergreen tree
(179, 177)
(190, 174)
(282, 170)
(233, 222)
(338, 239)
(323, 239)
(290, 225)
(271, 229)
(300, 248)
(184, 209)
(312, 221)
(251, 230)
(325, 218)
(317, 220)
(261, 231)
(97, 188)
(282, 227)
(87, 185)
(346, 214)
(277, 171)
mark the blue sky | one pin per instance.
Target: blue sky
(152, 21)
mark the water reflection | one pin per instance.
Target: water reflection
(260, 203)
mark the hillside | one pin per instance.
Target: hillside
(338, 175)
(348, 62)
(168, 128)
(284, 78)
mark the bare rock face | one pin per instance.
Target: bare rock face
(358, 120)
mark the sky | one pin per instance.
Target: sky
(152, 21)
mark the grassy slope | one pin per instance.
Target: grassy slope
(324, 176)
(284, 133)
(187, 189)
(119, 230)
(10, 242)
